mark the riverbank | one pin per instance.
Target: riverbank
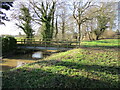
(22, 57)
(86, 67)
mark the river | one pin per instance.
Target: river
(22, 59)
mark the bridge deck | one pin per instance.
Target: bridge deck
(43, 48)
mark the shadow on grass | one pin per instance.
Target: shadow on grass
(99, 41)
(101, 47)
(38, 78)
(5, 67)
(108, 69)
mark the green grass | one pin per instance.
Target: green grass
(19, 38)
(23, 37)
(104, 42)
(77, 68)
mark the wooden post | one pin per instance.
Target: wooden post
(57, 44)
(21, 42)
(40, 41)
(67, 44)
(24, 43)
(76, 44)
(34, 43)
(45, 45)
(79, 43)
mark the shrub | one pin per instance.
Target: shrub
(8, 45)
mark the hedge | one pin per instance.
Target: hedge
(9, 45)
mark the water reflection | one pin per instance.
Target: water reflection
(19, 60)
(37, 55)
(20, 63)
(22, 59)
(12, 63)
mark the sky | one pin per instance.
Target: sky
(11, 29)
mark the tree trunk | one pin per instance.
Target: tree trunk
(97, 37)
(89, 35)
(52, 27)
(79, 33)
(63, 30)
(56, 25)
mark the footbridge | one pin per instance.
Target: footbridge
(47, 45)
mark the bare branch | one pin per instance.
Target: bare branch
(36, 11)
(74, 13)
(37, 21)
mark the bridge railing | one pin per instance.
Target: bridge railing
(66, 44)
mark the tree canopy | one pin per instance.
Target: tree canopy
(25, 21)
(6, 6)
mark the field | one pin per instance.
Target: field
(94, 65)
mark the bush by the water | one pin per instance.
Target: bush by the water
(8, 45)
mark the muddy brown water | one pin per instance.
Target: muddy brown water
(21, 59)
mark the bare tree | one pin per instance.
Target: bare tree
(25, 19)
(105, 18)
(90, 27)
(45, 17)
(56, 27)
(62, 16)
(80, 14)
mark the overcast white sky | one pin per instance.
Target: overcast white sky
(11, 29)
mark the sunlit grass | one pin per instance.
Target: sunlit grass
(77, 68)
(19, 38)
(105, 42)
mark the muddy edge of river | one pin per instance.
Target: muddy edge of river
(22, 57)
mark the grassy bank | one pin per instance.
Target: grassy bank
(107, 43)
(95, 65)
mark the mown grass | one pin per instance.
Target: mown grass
(90, 67)
(102, 43)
